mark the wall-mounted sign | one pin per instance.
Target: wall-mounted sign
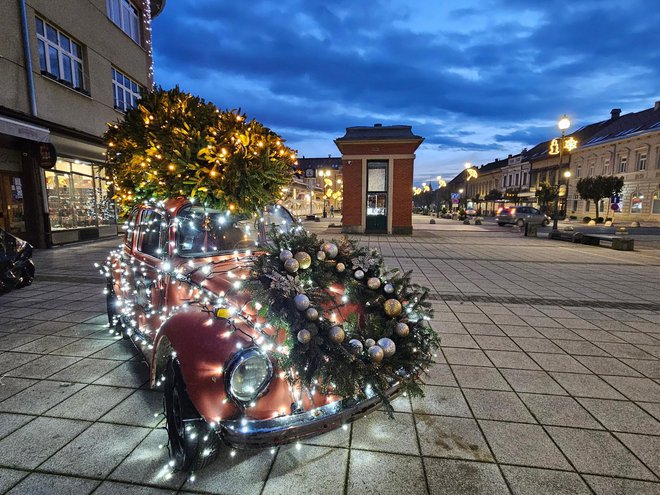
(46, 156)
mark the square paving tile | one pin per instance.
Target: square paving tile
(11, 360)
(140, 409)
(650, 368)
(533, 481)
(446, 401)
(40, 397)
(509, 359)
(42, 367)
(558, 362)
(623, 350)
(580, 348)
(586, 386)
(498, 405)
(617, 486)
(496, 343)
(10, 386)
(457, 340)
(379, 432)
(12, 422)
(646, 447)
(479, 377)
(559, 410)
(9, 477)
(115, 488)
(90, 403)
(598, 452)
(129, 374)
(451, 477)
(539, 382)
(47, 484)
(83, 456)
(46, 344)
(86, 370)
(623, 416)
(439, 374)
(537, 345)
(82, 347)
(474, 357)
(606, 366)
(642, 389)
(460, 438)
(522, 444)
(375, 472)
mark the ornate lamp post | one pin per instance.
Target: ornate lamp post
(563, 125)
(441, 184)
(567, 176)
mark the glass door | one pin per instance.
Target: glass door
(12, 216)
(376, 197)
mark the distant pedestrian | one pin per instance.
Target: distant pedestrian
(332, 211)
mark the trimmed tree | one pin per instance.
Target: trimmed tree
(545, 194)
(176, 144)
(599, 187)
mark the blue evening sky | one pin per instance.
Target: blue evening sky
(477, 79)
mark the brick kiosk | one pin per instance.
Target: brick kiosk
(378, 167)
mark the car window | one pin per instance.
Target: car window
(535, 211)
(277, 216)
(131, 227)
(152, 233)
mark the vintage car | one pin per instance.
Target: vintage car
(16, 265)
(220, 386)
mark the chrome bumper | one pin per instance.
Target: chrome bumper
(287, 429)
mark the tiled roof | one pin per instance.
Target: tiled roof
(631, 123)
(379, 132)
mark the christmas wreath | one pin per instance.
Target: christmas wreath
(352, 326)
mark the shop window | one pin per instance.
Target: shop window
(641, 161)
(59, 56)
(126, 91)
(636, 202)
(124, 14)
(655, 208)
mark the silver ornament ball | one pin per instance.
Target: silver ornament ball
(301, 301)
(285, 255)
(291, 265)
(389, 289)
(336, 334)
(376, 353)
(304, 336)
(369, 343)
(320, 256)
(388, 346)
(402, 329)
(359, 274)
(312, 314)
(356, 346)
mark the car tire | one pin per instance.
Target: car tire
(520, 222)
(26, 275)
(546, 222)
(501, 224)
(193, 443)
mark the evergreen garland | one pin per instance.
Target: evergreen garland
(341, 368)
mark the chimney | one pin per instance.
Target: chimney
(510, 156)
(657, 106)
(615, 113)
(378, 125)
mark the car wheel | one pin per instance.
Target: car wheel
(26, 274)
(520, 222)
(193, 443)
(546, 222)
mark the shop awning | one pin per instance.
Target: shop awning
(16, 128)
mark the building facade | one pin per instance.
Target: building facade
(68, 69)
(316, 189)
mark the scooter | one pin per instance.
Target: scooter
(16, 265)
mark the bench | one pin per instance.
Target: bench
(620, 243)
(565, 235)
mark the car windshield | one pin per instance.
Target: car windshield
(204, 232)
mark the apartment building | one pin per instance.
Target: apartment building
(66, 69)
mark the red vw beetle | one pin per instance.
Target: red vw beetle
(177, 260)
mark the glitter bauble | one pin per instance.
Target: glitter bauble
(376, 353)
(369, 342)
(356, 346)
(304, 260)
(341, 267)
(285, 255)
(336, 334)
(291, 265)
(389, 289)
(402, 329)
(311, 314)
(373, 283)
(330, 249)
(320, 256)
(392, 307)
(388, 346)
(359, 274)
(301, 301)
(304, 336)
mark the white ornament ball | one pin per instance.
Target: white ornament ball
(389, 289)
(369, 343)
(388, 346)
(320, 256)
(330, 249)
(304, 260)
(312, 314)
(373, 283)
(304, 336)
(291, 265)
(402, 329)
(336, 334)
(301, 302)
(285, 255)
(359, 274)
(341, 267)
(356, 346)
(376, 353)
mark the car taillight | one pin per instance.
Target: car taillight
(499, 210)
(513, 211)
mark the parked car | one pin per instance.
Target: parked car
(219, 385)
(470, 212)
(16, 265)
(521, 215)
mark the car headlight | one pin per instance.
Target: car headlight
(248, 374)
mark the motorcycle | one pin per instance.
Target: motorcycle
(16, 265)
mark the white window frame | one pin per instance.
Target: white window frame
(641, 161)
(623, 164)
(127, 89)
(606, 167)
(125, 15)
(77, 79)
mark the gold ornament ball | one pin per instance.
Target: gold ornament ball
(304, 260)
(369, 343)
(304, 336)
(392, 307)
(285, 255)
(320, 256)
(330, 249)
(359, 274)
(336, 334)
(291, 265)
(373, 283)
(341, 267)
(388, 346)
(312, 314)
(402, 329)
(376, 353)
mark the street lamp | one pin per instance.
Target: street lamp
(563, 125)
(441, 184)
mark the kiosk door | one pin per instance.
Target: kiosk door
(376, 197)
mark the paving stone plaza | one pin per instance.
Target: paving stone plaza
(547, 381)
